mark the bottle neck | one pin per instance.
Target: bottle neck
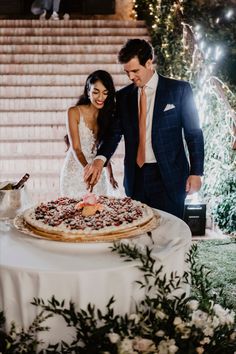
(21, 182)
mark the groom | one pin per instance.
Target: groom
(164, 148)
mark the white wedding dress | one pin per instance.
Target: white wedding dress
(71, 180)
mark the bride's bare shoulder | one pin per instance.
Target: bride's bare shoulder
(74, 113)
(73, 109)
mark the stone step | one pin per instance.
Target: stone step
(32, 118)
(10, 125)
(34, 177)
(21, 133)
(16, 149)
(56, 69)
(65, 40)
(41, 91)
(70, 32)
(58, 59)
(55, 80)
(35, 104)
(17, 23)
(58, 49)
(34, 165)
(19, 149)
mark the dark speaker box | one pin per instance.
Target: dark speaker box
(195, 218)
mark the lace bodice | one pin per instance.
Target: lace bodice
(72, 181)
(87, 140)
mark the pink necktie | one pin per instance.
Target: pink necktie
(142, 127)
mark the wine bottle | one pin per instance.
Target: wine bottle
(21, 182)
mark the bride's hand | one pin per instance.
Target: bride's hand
(113, 182)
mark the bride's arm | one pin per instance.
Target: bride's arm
(111, 176)
(73, 133)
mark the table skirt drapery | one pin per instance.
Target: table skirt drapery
(82, 273)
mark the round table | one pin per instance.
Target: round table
(79, 272)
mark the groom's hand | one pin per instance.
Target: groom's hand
(92, 173)
(193, 184)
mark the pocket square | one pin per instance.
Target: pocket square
(168, 107)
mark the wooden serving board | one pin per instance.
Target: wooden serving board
(25, 228)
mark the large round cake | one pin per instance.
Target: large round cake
(91, 216)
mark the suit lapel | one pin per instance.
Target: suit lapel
(160, 102)
(133, 109)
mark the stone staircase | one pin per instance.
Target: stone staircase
(43, 67)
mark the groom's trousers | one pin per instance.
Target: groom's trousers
(150, 189)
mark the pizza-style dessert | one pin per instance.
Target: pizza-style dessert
(92, 215)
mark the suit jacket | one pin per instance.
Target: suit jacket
(176, 159)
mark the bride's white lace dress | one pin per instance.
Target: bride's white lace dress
(71, 179)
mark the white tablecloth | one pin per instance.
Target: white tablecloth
(83, 273)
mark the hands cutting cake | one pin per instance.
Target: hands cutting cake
(92, 173)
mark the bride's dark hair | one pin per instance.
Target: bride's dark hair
(105, 114)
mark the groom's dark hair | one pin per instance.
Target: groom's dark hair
(139, 48)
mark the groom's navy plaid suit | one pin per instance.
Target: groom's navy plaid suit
(174, 116)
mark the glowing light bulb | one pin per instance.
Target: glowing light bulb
(218, 53)
(202, 45)
(229, 14)
(198, 36)
(208, 52)
(211, 68)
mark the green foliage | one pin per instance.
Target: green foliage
(219, 188)
(164, 19)
(225, 214)
(165, 26)
(216, 30)
(163, 322)
(20, 341)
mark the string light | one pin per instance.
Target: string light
(218, 53)
(229, 14)
(202, 45)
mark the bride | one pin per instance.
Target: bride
(87, 123)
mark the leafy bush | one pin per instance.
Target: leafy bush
(225, 214)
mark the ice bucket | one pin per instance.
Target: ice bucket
(12, 202)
